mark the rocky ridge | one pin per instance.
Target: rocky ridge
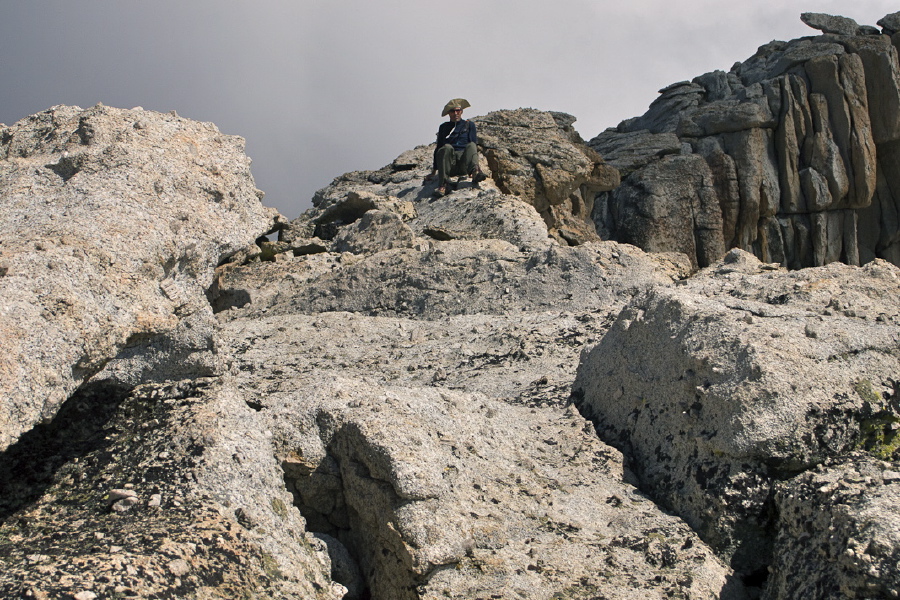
(465, 397)
(789, 155)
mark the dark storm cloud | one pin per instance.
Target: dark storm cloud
(321, 87)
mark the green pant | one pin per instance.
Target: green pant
(452, 162)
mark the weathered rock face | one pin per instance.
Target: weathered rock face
(540, 158)
(170, 491)
(434, 441)
(112, 222)
(798, 144)
(755, 375)
(425, 458)
(838, 533)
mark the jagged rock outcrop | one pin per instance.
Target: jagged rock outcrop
(112, 222)
(532, 156)
(757, 375)
(789, 155)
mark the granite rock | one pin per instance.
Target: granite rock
(757, 375)
(112, 223)
(838, 533)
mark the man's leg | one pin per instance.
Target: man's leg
(446, 160)
(470, 158)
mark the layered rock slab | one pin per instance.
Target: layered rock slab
(446, 278)
(112, 223)
(743, 377)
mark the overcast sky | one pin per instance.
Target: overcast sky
(322, 87)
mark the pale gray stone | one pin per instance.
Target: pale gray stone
(470, 215)
(735, 396)
(815, 190)
(727, 116)
(830, 23)
(450, 278)
(849, 512)
(104, 210)
(375, 231)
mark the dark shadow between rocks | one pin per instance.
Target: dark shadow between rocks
(347, 506)
(66, 168)
(228, 299)
(29, 467)
(751, 559)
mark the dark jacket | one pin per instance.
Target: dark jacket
(458, 135)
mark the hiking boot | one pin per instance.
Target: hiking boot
(441, 191)
(477, 177)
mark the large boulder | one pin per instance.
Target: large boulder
(474, 497)
(745, 376)
(538, 157)
(798, 139)
(112, 223)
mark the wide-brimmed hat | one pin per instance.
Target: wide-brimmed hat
(455, 103)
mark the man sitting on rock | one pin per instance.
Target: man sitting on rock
(457, 150)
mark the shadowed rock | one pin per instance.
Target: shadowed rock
(794, 138)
